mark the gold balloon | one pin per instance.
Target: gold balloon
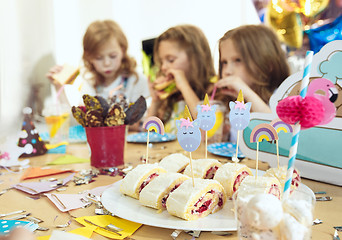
(311, 8)
(287, 24)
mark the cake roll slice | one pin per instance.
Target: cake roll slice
(192, 202)
(175, 162)
(138, 178)
(252, 185)
(230, 175)
(155, 194)
(203, 168)
(280, 174)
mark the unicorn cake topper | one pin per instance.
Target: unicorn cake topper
(239, 117)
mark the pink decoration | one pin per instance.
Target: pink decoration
(24, 141)
(5, 155)
(34, 150)
(240, 105)
(308, 111)
(327, 100)
(206, 108)
(186, 123)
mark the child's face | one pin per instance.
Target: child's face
(108, 59)
(231, 62)
(172, 57)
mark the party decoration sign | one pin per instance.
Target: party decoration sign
(318, 156)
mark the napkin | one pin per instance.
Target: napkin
(7, 225)
(103, 220)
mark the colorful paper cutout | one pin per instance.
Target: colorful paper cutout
(36, 172)
(40, 187)
(68, 159)
(7, 225)
(103, 220)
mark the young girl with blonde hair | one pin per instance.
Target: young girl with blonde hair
(108, 68)
(182, 54)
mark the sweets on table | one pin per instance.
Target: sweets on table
(175, 162)
(138, 178)
(264, 216)
(280, 174)
(192, 202)
(230, 175)
(203, 168)
(156, 193)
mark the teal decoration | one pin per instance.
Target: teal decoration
(331, 68)
(318, 144)
(320, 36)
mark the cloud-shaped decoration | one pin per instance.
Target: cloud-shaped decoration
(331, 68)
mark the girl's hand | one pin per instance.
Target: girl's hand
(231, 86)
(55, 69)
(179, 77)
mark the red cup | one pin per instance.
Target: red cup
(106, 145)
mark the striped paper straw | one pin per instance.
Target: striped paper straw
(296, 129)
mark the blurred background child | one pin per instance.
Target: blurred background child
(182, 55)
(108, 70)
(251, 59)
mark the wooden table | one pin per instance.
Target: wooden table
(329, 212)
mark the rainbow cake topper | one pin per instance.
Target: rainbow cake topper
(154, 124)
(279, 126)
(263, 131)
(258, 134)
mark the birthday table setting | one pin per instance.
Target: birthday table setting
(155, 185)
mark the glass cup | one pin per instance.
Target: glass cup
(57, 119)
(215, 134)
(263, 216)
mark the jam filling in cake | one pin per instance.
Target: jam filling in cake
(147, 181)
(211, 172)
(167, 195)
(274, 189)
(239, 179)
(202, 206)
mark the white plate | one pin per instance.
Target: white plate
(130, 209)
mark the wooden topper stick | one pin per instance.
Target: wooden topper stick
(206, 144)
(192, 171)
(148, 142)
(257, 161)
(277, 152)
